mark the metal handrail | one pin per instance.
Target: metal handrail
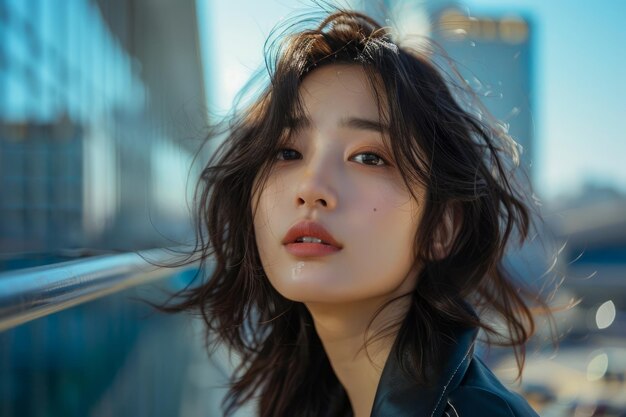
(28, 294)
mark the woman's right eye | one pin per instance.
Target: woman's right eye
(287, 154)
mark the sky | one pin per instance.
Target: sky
(579, 88)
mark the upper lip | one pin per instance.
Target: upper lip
(311, 229)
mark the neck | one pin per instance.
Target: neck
(343, 332)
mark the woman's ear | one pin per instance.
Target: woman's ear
(447, 231)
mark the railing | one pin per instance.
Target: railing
(31, 293)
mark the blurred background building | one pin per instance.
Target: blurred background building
(104, 104)
(102, 107)
(100, 113)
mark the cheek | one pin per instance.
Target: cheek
(267, 228)
(262, 218)
(385, 255)
(267, 204)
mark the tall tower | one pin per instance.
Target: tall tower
(494, 55)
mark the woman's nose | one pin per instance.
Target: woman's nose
(316, 188)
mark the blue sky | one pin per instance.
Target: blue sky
(580, 78)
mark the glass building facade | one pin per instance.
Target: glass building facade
(94, 158)
(84, 154)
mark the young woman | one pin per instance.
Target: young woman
(356, 218)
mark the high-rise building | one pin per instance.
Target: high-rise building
(494, 56)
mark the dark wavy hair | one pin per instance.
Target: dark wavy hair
(441, 139)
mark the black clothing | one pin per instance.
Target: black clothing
(465, 388)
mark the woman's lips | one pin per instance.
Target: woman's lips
(310, 229)
(305, 250)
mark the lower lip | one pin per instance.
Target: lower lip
(310, 249)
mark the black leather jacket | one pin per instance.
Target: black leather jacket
(466, 388)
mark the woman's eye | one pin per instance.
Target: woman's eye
(369, 158)
(287, 154)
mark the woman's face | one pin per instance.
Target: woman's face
(336, 174)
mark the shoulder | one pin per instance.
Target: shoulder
(480, 393)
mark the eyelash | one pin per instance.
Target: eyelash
(279, 153)
(382, 161)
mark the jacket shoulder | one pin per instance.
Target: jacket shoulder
(480, 393)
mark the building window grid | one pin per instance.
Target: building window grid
(113, 72)
(51, 200)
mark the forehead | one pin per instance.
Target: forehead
(341, 88)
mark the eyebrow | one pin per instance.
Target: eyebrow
(358, 123)
(363, 124)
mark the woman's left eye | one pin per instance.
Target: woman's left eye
(369, 158)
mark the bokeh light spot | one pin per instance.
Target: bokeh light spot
(605, 315)
(597, 366)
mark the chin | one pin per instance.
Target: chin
(310, 292)
(325, 291)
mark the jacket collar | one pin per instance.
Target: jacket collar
(399, 395)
